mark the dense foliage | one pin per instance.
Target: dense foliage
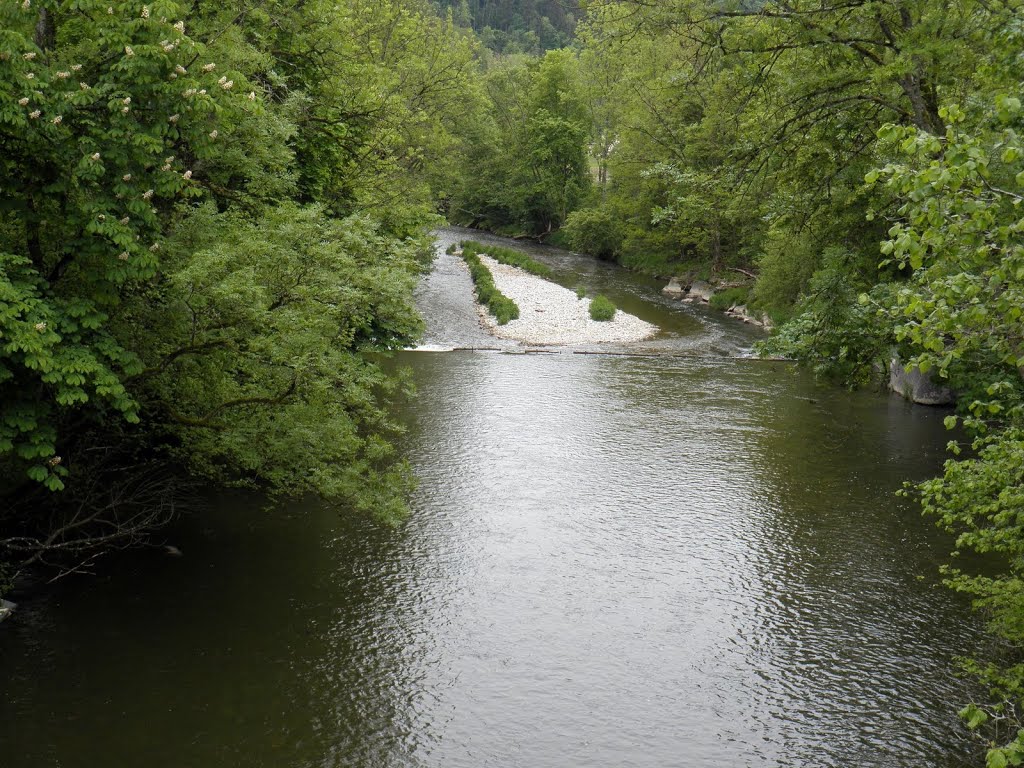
(210, 220)
(525, 167)
(517, 26)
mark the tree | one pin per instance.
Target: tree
(205, 246)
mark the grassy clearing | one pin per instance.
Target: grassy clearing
(601, 308)
(498, 304)
(507, 256)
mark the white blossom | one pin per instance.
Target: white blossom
(145, 11)
(174, 75)
(63, 75)
(252, 95)
(29, 76)
(154, 247)
(101, 217)
(76, 67)
(95, 155)
(173, 118)
(126, 100)
(165, 167)
(57, 120)
(125, 220)
(128, 51)
(202, 92)
(123, 256)
(147, 195)
(213, 134)
(23, 101)
(40, 326)
(180, 26)
(29, 56)
(209, 67)
(110, 10)
(227, 86)
(126, 177)
(26, 5)
(84, 86)
(34, 114)
(187, 175)
(125, 110)
(168, 47)
(54, 461)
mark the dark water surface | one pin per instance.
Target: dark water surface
(692, 559)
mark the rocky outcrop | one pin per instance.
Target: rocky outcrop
(674, 290)
(6, 609)
(741, 312)
(700, 291)
(918, 387)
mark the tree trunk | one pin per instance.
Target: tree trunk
(46, 33)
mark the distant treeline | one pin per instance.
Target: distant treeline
(517, 26)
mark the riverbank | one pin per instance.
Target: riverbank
(552, 315)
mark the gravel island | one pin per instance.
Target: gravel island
(552, 315)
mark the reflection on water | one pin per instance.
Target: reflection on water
(611, 562)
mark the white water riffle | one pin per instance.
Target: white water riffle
(552, 315)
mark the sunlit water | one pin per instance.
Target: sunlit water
(689, 559)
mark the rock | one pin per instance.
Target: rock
(918, 387)
(6, 609)
(674, 290)
(701, 290)
(741, 312)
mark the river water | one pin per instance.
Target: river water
(683, 557)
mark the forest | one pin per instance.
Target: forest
(213, 216)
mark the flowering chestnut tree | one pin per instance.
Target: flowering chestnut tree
(107, 109)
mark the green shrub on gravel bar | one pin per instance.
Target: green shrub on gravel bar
(498, 304)
(507, 256)
(601, 308)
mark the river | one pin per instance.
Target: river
(684, 557)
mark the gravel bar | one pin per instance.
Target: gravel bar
(552, 315)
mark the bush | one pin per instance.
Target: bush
(601, 308)
(581, 293)
(729, 298)
(594, 231)
(507, 256)
(501, 307)
(835, 333)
